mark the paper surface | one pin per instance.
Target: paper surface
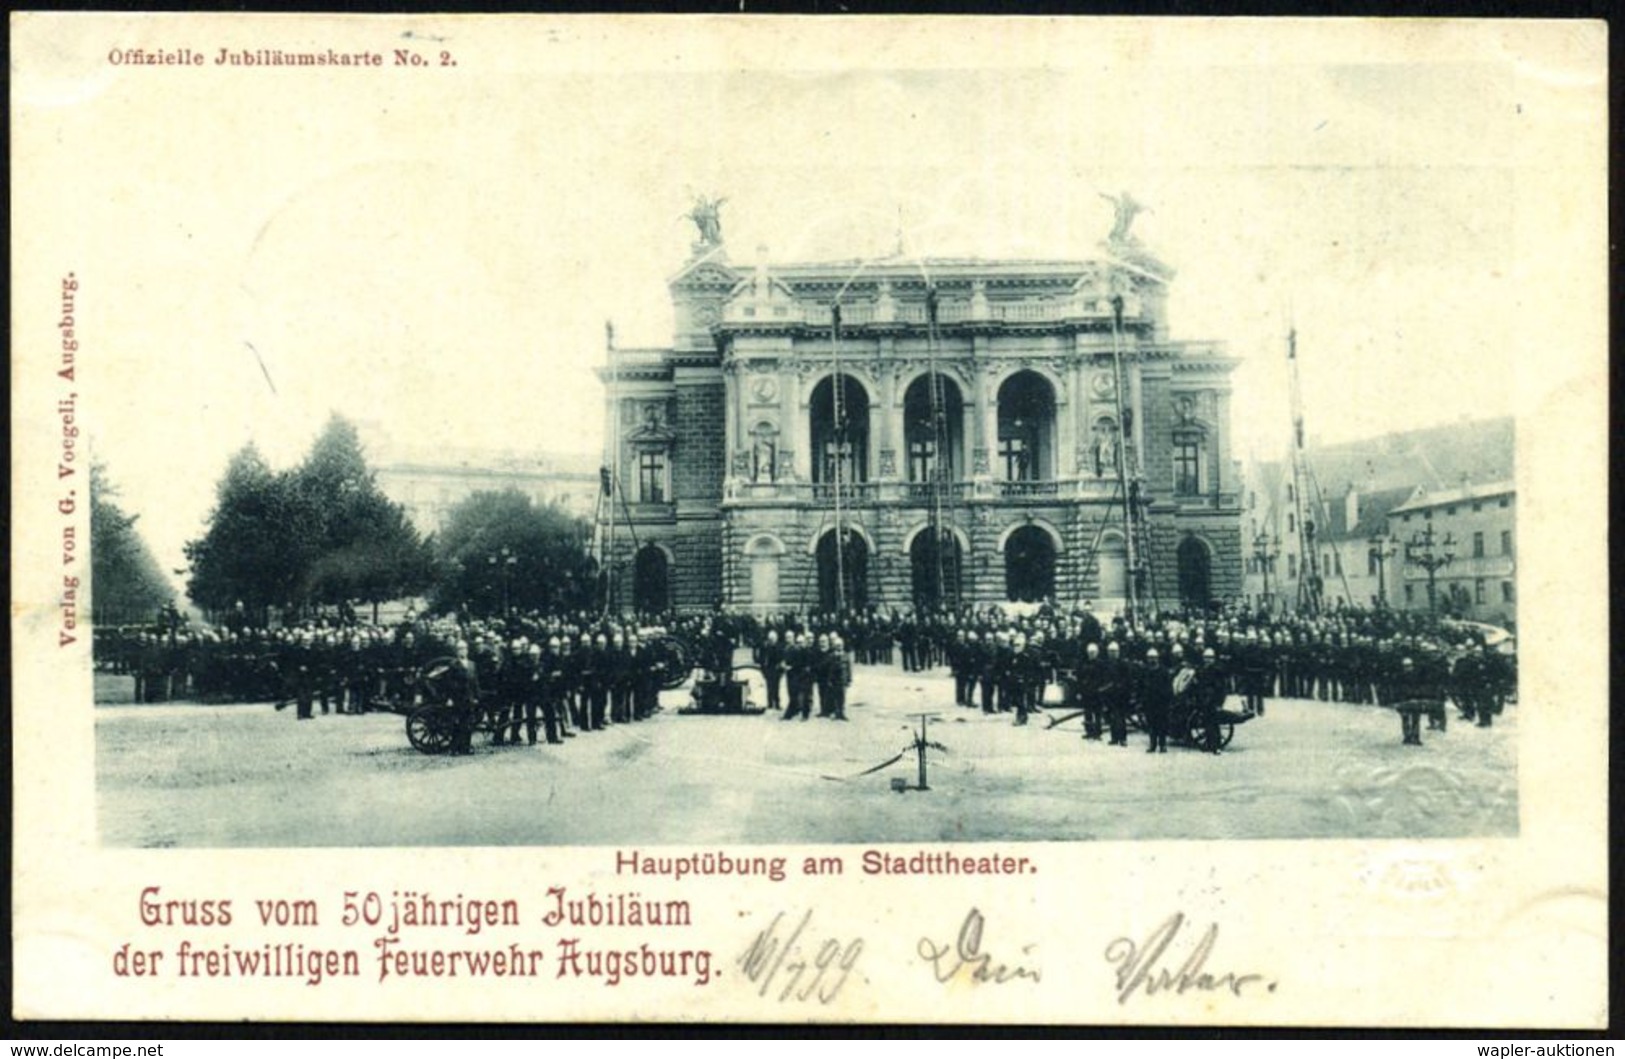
(483, 192)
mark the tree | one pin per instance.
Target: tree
(500, 550)
(377, 556)
(321, 533)
(259, 542)
(127, 583)
(368, 548)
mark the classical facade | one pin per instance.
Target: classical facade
(969, 428)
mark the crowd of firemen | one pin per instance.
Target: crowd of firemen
(540, 676)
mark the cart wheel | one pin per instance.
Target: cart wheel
(676, 662)
(1198, 733)
(431, 678)
(431, 729)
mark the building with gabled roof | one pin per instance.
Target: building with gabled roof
(1372, 497)
(1474, 524)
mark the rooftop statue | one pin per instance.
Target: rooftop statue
(707, 217)
(1127, 208)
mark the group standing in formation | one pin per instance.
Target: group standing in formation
(534, 677)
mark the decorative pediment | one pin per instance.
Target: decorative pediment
(1196, 410)
(648, 437)
(712, 274)
(650, 425)
(757, 287)
(710, 271)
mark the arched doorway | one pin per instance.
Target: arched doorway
(933, 441)
(843, 582)
(1195, 573)
(935, 584)
(1026, 428)
(1029, 565)
(651, 581)
(844, 444)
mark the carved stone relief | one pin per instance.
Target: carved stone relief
(764, 388)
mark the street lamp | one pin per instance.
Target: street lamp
(1381, 549)
(1265, 551)
(1431, 555)
(503, 562)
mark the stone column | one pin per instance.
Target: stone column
(1065, 421)
(879, 435)
(986, 415)
(742, 399)
(793, 437)
(895, 439)
(731, 402)
(1080, 416)
(990, 430)
(886, 441)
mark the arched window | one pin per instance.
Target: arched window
(933, 427)
(840, 435)
(1027, 428)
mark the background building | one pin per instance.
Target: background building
(430, 484)
(1369, 498)
(960, 423)
(1470, 529)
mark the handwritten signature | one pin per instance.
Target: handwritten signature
(966, 954)
(830, 962)
(1138, 965)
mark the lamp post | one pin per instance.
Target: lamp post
(1266, 550)
(1431, 555)
(503, 562)
(1381, 549)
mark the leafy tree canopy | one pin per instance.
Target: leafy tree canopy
(500, 549)
(127, 584)
(322, 532)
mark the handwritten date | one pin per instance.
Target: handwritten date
(803, 968)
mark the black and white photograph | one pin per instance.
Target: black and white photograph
(981, 452)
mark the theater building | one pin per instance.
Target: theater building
(970, 429)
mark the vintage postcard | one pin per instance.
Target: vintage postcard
(1044, 520)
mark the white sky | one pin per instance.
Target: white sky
(434, 254)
